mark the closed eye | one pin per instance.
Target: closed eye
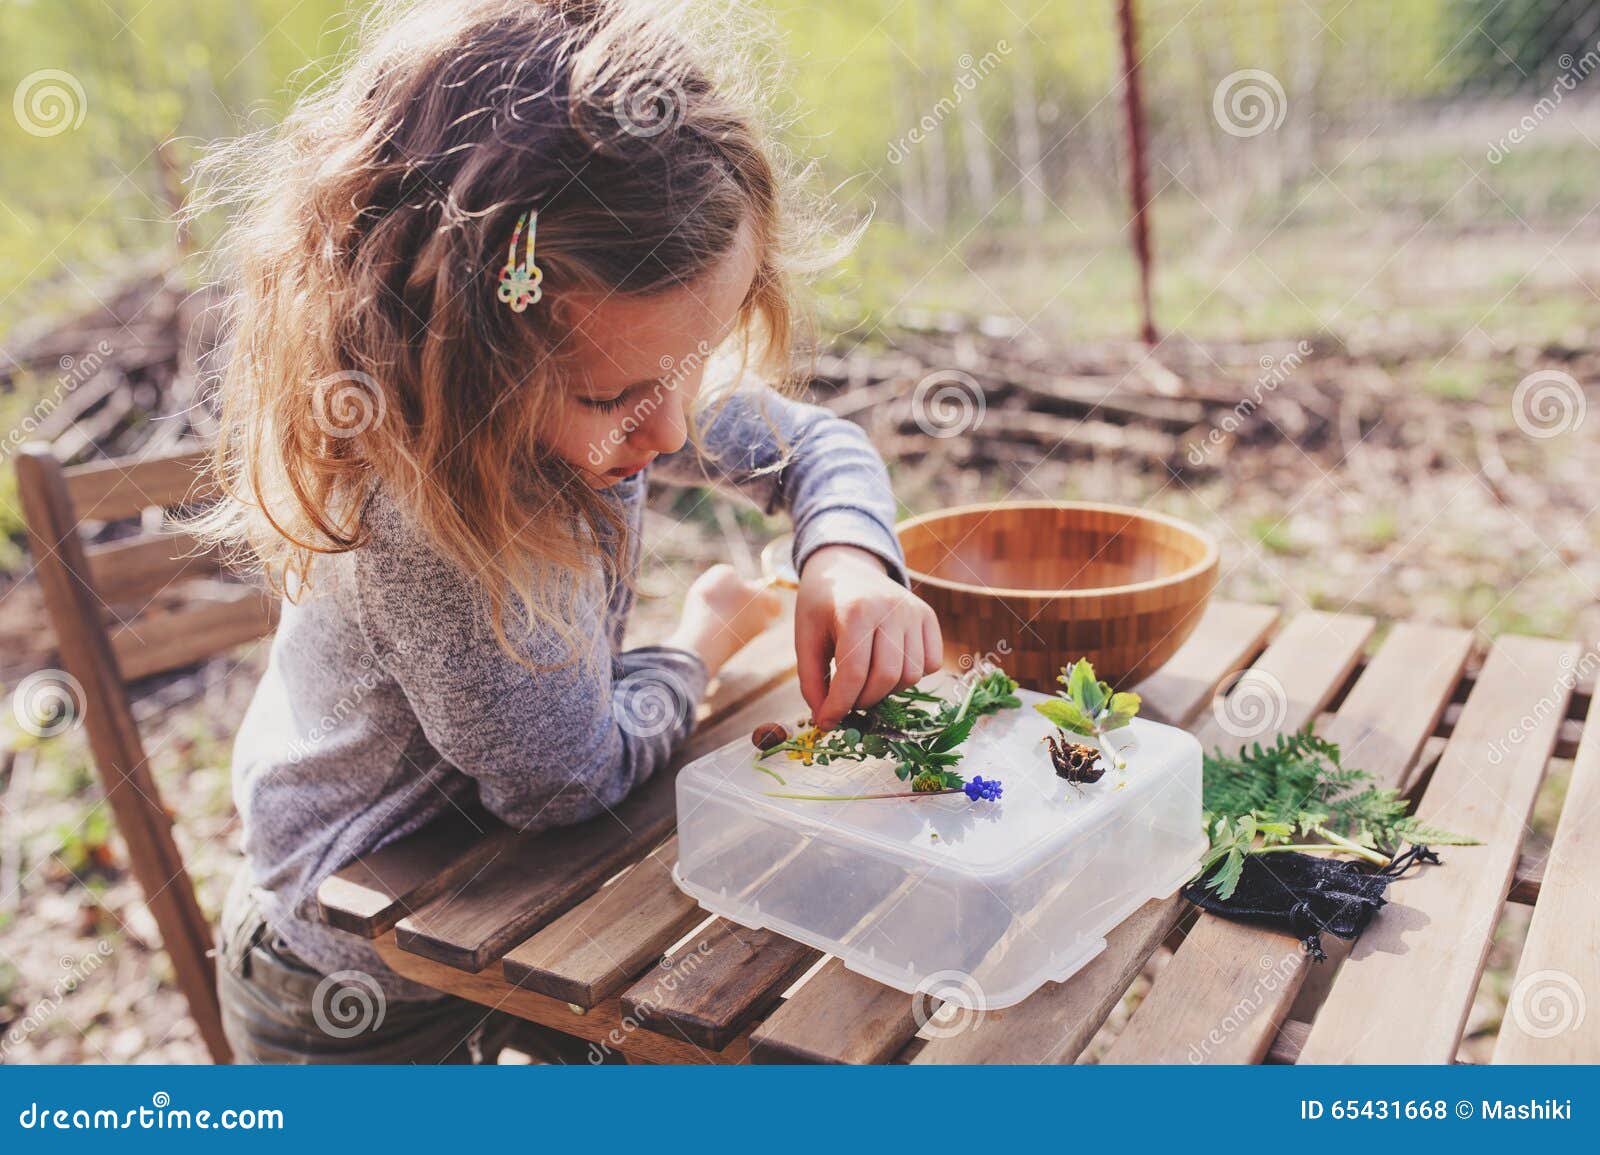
(606, 406)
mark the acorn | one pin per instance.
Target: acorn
(770, 734)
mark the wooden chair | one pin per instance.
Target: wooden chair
(127, 610)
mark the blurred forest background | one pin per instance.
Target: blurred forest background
(1374, 251)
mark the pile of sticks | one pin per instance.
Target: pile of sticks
(978, 392)
(119, 378)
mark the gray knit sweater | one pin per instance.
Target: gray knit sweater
(387, 701)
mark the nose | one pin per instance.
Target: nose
(665, 428)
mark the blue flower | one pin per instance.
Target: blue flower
(980, 788)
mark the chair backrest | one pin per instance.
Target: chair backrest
(123, 611)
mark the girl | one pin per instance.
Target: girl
(520, 257)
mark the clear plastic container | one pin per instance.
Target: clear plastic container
(1004, 896)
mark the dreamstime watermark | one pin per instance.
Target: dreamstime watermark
(1545, 1004)
(48, 703)
(948, 403)
(1547, 706)
(972, 71)
(1573, 73)
(948, 1003)
(347, 403)
(1274, 372)
(1547, 403)
(371, 674)
(74, 372)
(974, 665)
(675, 373)
(649, 104)
(676, 968)
(1249, 102)
(348, 1003)
(45, 1008)
(1277, 972)
(49, 102)
(1251, 704)
(161, 1115)
(650, 702)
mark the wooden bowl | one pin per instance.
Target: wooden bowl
(1036, 585)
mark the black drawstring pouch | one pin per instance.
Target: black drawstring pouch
(1306, 895)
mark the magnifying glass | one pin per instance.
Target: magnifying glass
(777, 563)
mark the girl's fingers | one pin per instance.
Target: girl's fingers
(932, 642)
(888, 663)
(913, 670)
(811, 652)
(852, 659)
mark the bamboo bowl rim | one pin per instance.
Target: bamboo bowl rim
(1210, 558)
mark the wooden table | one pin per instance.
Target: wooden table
(582, 928)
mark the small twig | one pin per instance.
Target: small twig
(860, 797)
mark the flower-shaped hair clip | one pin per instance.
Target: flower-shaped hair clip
(519, 283)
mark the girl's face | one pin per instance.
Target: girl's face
(638, 364)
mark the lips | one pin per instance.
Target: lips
(629, 470)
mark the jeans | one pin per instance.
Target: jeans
(278, 1009)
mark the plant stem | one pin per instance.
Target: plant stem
(966, 701)
(1109, 748)
(1358, 850)
(856, 797)
(768, 770)
(1353, 847)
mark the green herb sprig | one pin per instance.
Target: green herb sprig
(1263, 799)
(922, 732)
(1089, 707)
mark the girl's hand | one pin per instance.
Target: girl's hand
(722, 613)
(880, 636)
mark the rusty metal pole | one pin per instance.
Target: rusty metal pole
(1138, 178)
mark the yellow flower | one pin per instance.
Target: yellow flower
(807, 741)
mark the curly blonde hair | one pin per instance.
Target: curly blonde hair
(364, 343)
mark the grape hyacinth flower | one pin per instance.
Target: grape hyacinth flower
(984, 789)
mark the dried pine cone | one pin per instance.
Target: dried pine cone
(1074, 761)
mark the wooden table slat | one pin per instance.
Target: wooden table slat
(597, 948)
(1528, 879)
(377, 890)
(605, 1025)
(1404, 994)
(845, 1018)
(1548, 1019)
(711, 988)
(1229, 635)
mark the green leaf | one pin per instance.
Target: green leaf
(1125, 701)
(1084, 689)
(1066, 715)
(1226, 880)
